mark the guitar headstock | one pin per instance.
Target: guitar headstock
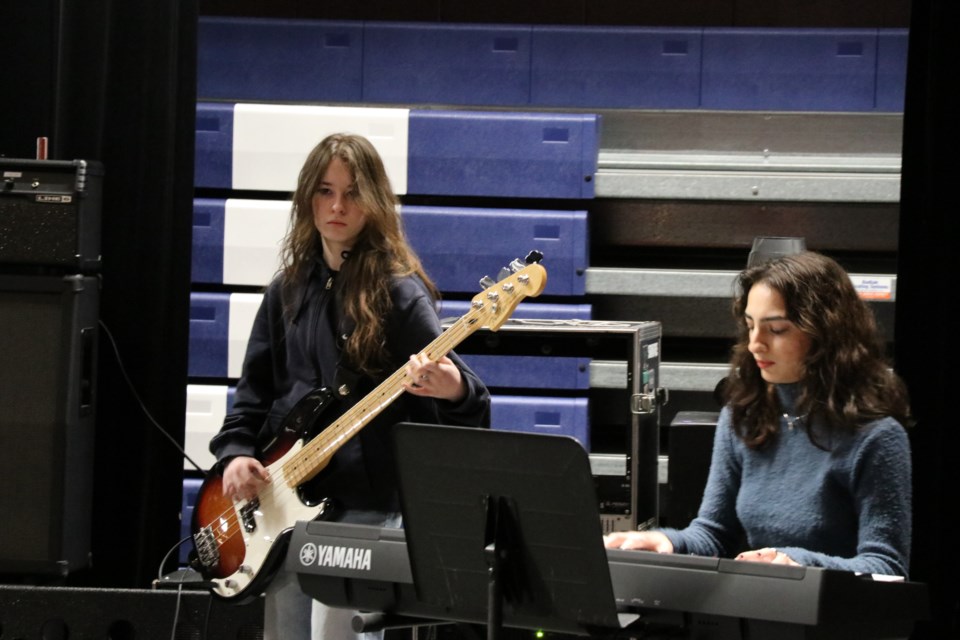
(522, 279)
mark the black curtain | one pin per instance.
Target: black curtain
(927, 348)
(115, 82)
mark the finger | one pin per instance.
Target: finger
(412, 368)
(416, 370)
(613, 540)
(627, 542)
(412, 386)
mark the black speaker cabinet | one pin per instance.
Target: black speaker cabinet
(48, 339)
(690, 447)
(50, 214)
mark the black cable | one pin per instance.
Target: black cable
(176, 613)
(143, 407)
(170, 553)
(206, 617)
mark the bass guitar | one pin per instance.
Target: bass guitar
(239, 544)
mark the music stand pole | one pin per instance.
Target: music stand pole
(495, 552)
(494, 594)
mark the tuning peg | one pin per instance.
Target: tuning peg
(486, 282)
(518, 265)
(505, 272)
(533, 256)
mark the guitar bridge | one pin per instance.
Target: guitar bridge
(208, 553)
(247, 513)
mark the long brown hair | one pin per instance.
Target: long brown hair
(846, 381)
(380, 252)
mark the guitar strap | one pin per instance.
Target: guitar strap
(346, 380)
(328, 360)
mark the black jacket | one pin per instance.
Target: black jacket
(292, 352)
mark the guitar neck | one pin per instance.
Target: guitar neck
(315, 455)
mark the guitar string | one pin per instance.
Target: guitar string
(229, 521)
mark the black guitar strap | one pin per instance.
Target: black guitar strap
(346, 380)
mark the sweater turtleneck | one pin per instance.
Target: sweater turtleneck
(788, 394)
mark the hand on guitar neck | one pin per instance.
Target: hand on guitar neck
(440, 379)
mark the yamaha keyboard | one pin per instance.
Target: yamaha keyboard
(368, 569)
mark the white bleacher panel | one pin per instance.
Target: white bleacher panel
(206, 408)
(252, 236)
(271, 141)
(243, 310)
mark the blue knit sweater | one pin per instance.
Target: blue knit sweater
(847, 508)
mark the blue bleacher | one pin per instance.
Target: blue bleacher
(616, 67)
(213, 146)
(208, 240)
(460, 245)
(789, 69)
(531, 372)
(442, 63)
(248, 59)
(551, 416)
(507, 154)
(209, 334)
(294, 60)
(891, 69)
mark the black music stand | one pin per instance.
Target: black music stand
(504, 528)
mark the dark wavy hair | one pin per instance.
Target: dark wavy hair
(380, 252)
(846, 381)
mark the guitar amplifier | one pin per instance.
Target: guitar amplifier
(50, 214)
(47, 416)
